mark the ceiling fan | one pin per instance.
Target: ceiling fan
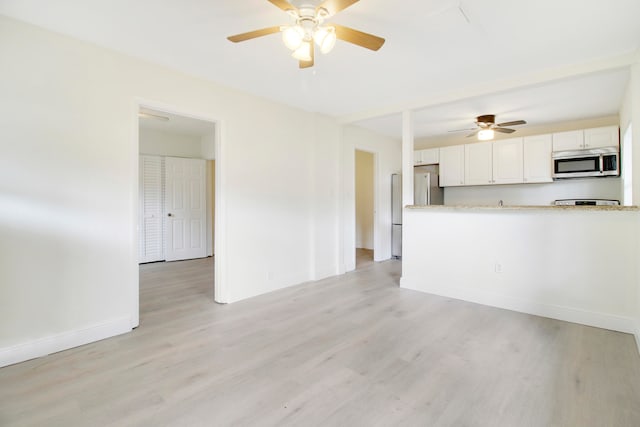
(309, 26)
(486, 127)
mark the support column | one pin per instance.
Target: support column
(407, 170)
(407, 158)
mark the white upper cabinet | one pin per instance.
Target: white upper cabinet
(452, 166)
(430, 156)
(516, 160)
(537, 158)
(607, 136)
(601, 137)
(573, 140)
(478, 161)
(507, 161)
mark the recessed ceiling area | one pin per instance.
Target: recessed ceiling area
(434, 50)
(175, 124)
(588, 96)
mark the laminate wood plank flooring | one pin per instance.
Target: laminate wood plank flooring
(364, 258)
(353, 350)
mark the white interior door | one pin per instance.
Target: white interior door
(186, 209)
(150, 221)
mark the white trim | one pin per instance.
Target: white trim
(637, 336)
(377, 250)
(568, 314)
(220, 288)
(66, 340)
(135, 203)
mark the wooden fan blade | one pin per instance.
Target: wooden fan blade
(335, 6)
(515, 123)
(473, 134)
(253, 34)
(504, 130)
(282, 4)
(359, 38)
(308, 64)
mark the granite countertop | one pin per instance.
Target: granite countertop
(524, 207)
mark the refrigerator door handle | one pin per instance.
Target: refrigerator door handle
(428, 189)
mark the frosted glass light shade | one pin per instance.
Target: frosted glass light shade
(303, 53)
(325, 38)
(486, 134)
(293, 37)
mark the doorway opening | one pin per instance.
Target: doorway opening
(365, 207)
(176, 202)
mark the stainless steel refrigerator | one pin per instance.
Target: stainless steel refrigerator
(426, 189)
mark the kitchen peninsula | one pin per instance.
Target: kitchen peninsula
(578, 264)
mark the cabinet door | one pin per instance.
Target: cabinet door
(573, 140)
(478, 169)
(507, 161)
(601, 137)
(417, 157)
(537, 158)
(430, 156)
(452, 166)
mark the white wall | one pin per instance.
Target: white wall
(326, 257)
(364, 199)
(69, 198)
(534, 194)
(577, 265)
(163, 143)
(389, 157)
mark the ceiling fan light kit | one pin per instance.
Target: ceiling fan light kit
(325, 38)
(308, 29)
(303, 52)
(292, 37)
(486, 135)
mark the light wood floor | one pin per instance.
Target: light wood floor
(364, 258)
(348, 351)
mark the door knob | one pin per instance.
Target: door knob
(169, 214)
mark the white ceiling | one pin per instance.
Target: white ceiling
(176, 124)
(432, 53)
(587, 96)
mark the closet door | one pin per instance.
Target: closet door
(186, 209)
(150, 211)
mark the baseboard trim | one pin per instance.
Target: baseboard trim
(558, 312)
(64, 341)
(325, 273)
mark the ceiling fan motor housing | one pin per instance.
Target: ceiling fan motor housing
(486, 120)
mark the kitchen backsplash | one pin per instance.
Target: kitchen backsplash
(535, 194)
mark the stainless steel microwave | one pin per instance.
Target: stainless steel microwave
(596, 162)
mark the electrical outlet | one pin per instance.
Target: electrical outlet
(498, 267)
